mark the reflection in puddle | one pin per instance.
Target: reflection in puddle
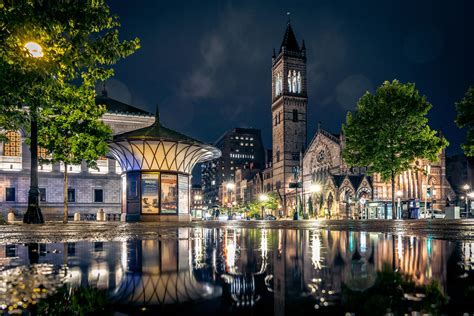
(234, 270)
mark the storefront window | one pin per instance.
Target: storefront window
(183, 194)
(150, 187)
(169, 194)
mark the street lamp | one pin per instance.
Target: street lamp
(399, 208)
(33, 213)
(34, 49)
(469, 198)
(263, 198)
(466, 188)
(315, 188)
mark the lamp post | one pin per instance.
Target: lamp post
(470, 197)
(315, 188)
(33, 213)
(427, 171)
(399, 206)
(466, 188)
(263, 198)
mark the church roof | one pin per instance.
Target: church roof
(289, 40)
(114, 106)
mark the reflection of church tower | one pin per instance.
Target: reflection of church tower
(289, 102)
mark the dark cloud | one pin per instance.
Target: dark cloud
(208, 63)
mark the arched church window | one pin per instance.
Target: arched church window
(278, 154)
(278, 84)
(293, 82)
(289, 81)
(12, 148)
(298, 82)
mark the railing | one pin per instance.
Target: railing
(10, 163)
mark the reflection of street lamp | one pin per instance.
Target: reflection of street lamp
(399, 206)
(33, 213)
(466, 188)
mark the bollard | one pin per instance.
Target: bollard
(100, 215)
(123, 217)
(11, 217)
(77, 217)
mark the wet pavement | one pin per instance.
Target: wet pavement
(118, 231)
(241, 267)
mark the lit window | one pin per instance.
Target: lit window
(251, 144)
(251, 138)
(241, 144)
(13, 146)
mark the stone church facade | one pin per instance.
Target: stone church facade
(346, 192)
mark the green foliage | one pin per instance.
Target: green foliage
(390, 292)
(75, 302)
(80, 42)
(465, 118)
(2, 220)
(72, 131)
(389, 131)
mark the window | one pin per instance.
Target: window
(42, 194)
(10, 251)
(98, 195)
(10, 194)
(278, 155)
(13, 146)
(71, 249)
(295, 156)
(295, 115)
(71, 195)
(279, 117)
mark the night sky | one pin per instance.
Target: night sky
(208, 63)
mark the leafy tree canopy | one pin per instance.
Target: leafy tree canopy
(79, 41)
(465, 118)
(389, 130)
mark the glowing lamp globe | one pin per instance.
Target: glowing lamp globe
(34, 49)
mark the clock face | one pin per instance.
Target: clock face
(321, 155)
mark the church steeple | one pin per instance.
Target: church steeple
(289, 40)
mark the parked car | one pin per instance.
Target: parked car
(437, 214)
(270, 217)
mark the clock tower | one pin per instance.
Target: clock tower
(289, 105)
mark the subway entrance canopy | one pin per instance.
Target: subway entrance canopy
(157, 163)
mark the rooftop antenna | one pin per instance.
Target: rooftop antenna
(288, 13)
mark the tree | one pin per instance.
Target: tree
(310, 206)
(71, 131)
(45, 46)
(389, 131)
(465, 118)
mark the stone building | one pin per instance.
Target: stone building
(289, 105)
(89, 189)
(346, 192)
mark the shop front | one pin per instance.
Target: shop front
(377, 210)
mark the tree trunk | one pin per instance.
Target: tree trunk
(65, 218)
(394, 211)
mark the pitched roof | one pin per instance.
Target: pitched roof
(156, 132)
(114, 106)
(289, 40)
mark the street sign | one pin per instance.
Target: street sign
(294, 185)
